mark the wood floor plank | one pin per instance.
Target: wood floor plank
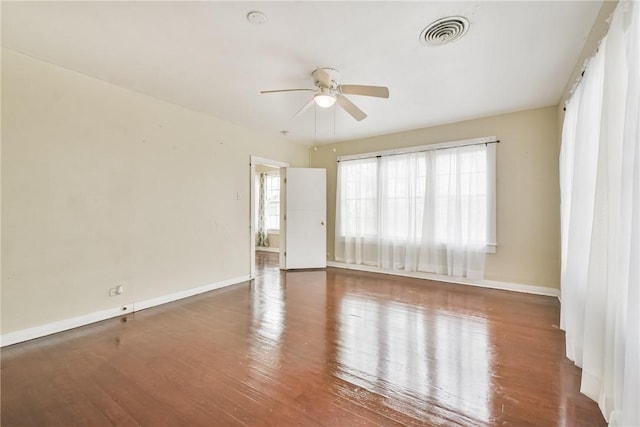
(316, 348)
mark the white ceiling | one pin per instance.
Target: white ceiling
(207, 57)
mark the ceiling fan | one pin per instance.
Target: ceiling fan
(329, 92)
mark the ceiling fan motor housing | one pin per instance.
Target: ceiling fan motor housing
(335, 76)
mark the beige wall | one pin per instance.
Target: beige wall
(528, 205)
(103, 186)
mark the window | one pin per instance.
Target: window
(272, 203)
(359, 189)
(400, 205)
(462, 192)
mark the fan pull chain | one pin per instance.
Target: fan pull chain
(334, 125)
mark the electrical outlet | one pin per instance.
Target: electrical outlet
(118, 290)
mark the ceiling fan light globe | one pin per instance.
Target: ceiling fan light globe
(324, 100)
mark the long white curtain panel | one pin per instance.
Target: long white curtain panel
(600, 215)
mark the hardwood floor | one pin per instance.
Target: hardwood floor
(337, 348)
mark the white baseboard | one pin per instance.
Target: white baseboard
(491, 284)
(142, 305)
(75, 322)
(61, 325)
(267, 249)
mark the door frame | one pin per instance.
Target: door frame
(255, 160)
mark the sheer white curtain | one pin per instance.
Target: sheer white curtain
(262, 237)
(578, 157)
(357, 212)
(600, 230)
(424, 211)
(457, 225)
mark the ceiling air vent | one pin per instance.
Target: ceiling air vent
(445, 30)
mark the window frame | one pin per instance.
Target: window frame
(491, 243)
(270, 175)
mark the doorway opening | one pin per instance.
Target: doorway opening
(266, 211)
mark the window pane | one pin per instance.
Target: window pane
(272, 205)
(358, 192)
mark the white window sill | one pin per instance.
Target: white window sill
(490, 248)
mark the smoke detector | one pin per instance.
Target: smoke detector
(445, 30)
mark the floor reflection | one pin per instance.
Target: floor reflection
(406, 351)
(268, 309)
(414, 356)
(426, 357)
(267, 319)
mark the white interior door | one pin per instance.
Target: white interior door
(304, 217)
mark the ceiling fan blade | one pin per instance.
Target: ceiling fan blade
(285, 90)
(323, 77)
(377, 91)
(350, 108)
(305, 108)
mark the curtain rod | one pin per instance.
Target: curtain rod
(497, 141)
